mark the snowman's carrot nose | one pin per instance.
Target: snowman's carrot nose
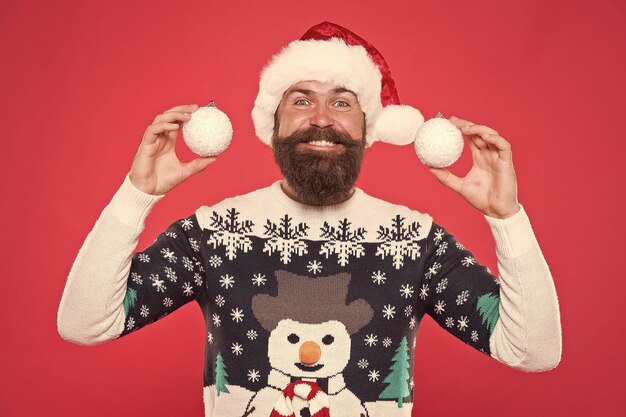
(310, 353)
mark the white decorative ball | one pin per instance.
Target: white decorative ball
(208, 132)
(438, 143)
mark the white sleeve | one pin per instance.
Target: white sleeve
(91, 308)
(527, 335)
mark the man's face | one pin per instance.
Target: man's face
(319, 141)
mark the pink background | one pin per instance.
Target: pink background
(81, 81)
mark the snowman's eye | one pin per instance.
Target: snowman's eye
(293, 338)
(328, 339)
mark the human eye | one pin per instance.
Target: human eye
(344, 104)
(301, 102)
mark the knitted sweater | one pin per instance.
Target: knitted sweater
(332, 294)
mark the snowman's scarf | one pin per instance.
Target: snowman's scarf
(307, 390)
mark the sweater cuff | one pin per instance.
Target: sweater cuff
(514, 235)
(130, 205)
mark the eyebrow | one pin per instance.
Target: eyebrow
(308, 92)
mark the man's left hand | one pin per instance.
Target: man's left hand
(491, 185)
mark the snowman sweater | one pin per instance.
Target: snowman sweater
(328, 294)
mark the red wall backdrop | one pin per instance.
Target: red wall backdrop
(80, 82)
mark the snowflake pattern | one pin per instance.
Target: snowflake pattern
(406, 291)
(389, 311)
(237, 315)
(216, 320)
(379, 277)
(157, 283)
(387, 342)
(459, 246)
(169, 255)
(441, 249)
(314, 267)
(144, 311)
(227, 281)
(342, 241)
(363, 363)
(285, 238)
(432, 271)
(399, 241)
(438, 236)
(186, 224)
(408, 310)
(253, 375)
(236, 348)
(167, 302)
(136, 278)
(440, 307)
(462, 297)
(441, 285)
(219, 300)
(171, 234)
(209, 337)
(170, 274)
(474, 336)
(195, 246)
(468, 260)
(373, 375)
(449, 322)
(215, 261)
(230, 233)
(252, 334)
(187, 289)
(259, 279)
(143, 257)
(371, 340)
(463, 322)
(412, 322)
(197, 278)
(187, 264)
(130, 324)
(423, 291)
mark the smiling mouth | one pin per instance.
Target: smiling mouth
(321, 145)
(309, 368)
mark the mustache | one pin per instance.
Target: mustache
(315, 133)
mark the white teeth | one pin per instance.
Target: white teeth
(322, 143)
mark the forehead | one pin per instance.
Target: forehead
(317, 87)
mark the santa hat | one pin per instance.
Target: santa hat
(333, 54)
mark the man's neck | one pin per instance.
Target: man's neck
(291, 193)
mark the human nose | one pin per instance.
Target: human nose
(321, 117)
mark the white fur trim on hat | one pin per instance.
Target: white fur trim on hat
(330, 61)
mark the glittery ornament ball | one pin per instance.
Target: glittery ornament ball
(208, 132)
(438, 143)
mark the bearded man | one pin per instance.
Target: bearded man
(312, 290)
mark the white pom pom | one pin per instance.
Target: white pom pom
(208, 132)
(438, 143)
(397, 124)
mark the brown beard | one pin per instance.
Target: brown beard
(319, 177)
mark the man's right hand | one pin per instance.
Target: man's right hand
(156, 168)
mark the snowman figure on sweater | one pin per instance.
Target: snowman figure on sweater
(310, 326)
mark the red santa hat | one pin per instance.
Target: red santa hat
(333, 54)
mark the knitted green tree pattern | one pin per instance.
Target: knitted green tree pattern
(488, 308)
(129, 299)
(397, 379)
(220, 375)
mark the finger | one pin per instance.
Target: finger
(193, 167)
(155, 129)
(501, 145)
(478, 130)
(460, 123)
(476, 143)
(447, 178)
(173, 116)
(184, 107)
